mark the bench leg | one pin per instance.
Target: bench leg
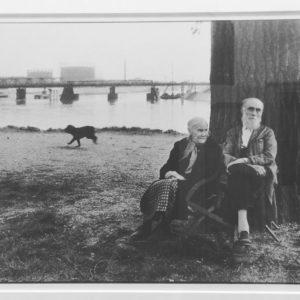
(272, 233)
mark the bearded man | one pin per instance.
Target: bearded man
(250, 151)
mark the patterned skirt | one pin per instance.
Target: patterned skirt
(160, 196)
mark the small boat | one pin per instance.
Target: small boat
(21, 96)
(3, 95)
(43, 95)
(167, 96)
(171, 96)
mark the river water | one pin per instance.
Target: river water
(130, 110)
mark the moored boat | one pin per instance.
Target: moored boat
(3, 95)
(167, 96)
(43, 95)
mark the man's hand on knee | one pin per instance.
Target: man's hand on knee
(260, 170)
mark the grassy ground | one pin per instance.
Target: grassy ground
(65, 210)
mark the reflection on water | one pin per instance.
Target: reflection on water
(93, 108)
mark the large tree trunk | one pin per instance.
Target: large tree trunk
(261, 59)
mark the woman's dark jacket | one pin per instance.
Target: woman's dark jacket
(209, 160)
(209, 164)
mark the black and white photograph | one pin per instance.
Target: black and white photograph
(150, 149)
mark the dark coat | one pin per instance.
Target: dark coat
(208, 163)
(262, 150)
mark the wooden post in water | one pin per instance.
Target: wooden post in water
(68, 96)
(21, 96)
(112, 94)
(153, 95)
(182, 90)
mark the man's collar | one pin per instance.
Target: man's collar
(246, 128)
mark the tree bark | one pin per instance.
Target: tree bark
(261, 59)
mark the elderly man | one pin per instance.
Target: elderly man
(250, 151)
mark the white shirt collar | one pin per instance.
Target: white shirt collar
(246, 134)
(246, 128)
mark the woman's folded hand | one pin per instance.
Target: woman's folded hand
(174, 175)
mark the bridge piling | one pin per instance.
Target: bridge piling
(153, 95)
(182, 90)
(68, 96)
(112, 95)
(20, 95)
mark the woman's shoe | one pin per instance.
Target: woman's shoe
(142, 232)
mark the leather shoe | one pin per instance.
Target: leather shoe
(244, 238)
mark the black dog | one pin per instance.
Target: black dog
(81, 132)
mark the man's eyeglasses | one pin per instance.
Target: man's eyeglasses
(253, 109)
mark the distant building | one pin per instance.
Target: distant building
(39, 74)
(77, 73)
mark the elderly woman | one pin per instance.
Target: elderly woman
(192, 158)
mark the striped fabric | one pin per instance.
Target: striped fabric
(160, 196)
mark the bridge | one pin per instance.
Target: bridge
(26, 82)
(68, 95)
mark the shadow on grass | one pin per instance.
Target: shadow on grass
(41, 222)
(71, 148)
(46, 246)
(40, 247)
(196, 247)
(41, 186)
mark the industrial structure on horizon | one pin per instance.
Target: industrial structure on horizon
(39, 74)
(77, 73)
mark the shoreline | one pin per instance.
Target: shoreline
(123, 129)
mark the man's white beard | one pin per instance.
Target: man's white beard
(251, 124)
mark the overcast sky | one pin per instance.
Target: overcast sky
(151, 50)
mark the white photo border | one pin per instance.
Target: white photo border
(179, 11)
